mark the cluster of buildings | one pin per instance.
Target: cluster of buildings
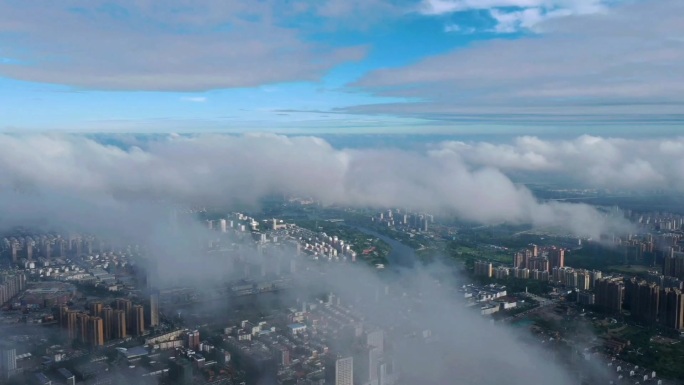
(12, 283)
(76, 258)
(404, 219)
(648, 302)
(32, 247)
(101, 323)
(320, 343)
(541, 264)
(491, 298)
(657, 298)
(318, 245)
(657, 220)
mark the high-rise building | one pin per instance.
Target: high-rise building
(82, 321)
(344, 371)
(192, 339)
(8, 361)
(123, 304)
(521, 273)
(556, 257)
(95, 309)
(643, 300)
(72, 324)
(538, 263)
(107, 322)
(152, 316)
(483, 269)
(376, 339)
(126, 306)
(374, 359)
(594, 276)
(534, 250)
(672, 308)
(180, 371)
(138, 318)
(95, 331)
(585, 298)
(570, 279)
(673, 264)
(519, 260)
(501, 272)
(63, 310)
(583, 280)
(609, 294)
(119, 324)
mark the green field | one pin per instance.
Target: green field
(631, 269)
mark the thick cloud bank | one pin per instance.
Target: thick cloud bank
(216, 169)
(588, 160)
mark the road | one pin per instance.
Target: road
(543, 303)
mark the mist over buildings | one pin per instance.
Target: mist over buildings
(79, 184)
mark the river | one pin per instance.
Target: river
(400, 255)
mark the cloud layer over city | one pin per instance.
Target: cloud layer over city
(467, 180)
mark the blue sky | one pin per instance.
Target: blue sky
(342, 66)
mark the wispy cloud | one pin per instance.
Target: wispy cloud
(515, 15)
(194, 99)
(455, 28)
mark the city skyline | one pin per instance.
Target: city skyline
(340, 66)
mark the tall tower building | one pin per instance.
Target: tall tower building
(152, 316)
(72, 324)
(557, 257)
(192, 339)
(95, 309)
(82, 327)
(519, 260)
(376, 339)
(344, 371)
(643, 299)
(119, 324)
(107, 322)
(374, 359)
(138, 318)
(609, 294)
(95, 331)
(672, 308)
(63, 310)
(123, 304)
(483, 269)
(8, 361)
(126, 306)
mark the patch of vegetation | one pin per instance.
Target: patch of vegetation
(594, 256)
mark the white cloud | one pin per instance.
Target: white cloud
(195, 99)
(527, 14)
(455, 28)
(228, 170)
(611, 163)
(181, 46)
(623, 65)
